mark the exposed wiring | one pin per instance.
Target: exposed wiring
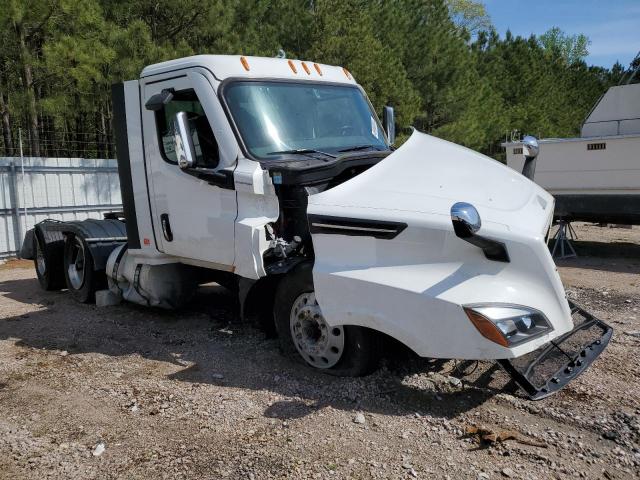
(463, 372)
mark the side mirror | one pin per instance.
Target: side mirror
(465, 219)
(159, 100)
(183, 142)
(466, 223)
(530, 147)
(389, 122)
(530, 150)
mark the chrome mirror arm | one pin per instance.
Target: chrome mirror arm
(466, 223)
(530, 150)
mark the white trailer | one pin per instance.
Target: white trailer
(276, 178)
(595, 177)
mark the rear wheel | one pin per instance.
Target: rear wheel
(305, 334)
(47, 261)
(78, 269)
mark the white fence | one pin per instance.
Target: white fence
(59, 188)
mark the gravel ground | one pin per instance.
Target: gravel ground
(127, 392)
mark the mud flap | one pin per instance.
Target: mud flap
(545, 371)
(27, 251)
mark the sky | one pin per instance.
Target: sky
(613, 26)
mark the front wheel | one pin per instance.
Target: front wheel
(82, 280)
(304, 334)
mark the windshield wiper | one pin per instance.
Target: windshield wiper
(301, 151)
(359, 147)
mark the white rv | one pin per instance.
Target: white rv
(276, 178)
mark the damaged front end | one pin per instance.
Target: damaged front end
(444, 250)
(549, 368)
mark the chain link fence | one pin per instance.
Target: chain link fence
(58, 144)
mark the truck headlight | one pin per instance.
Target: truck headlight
(507, 325)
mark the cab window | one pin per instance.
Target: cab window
(275, 116)
(204, 142)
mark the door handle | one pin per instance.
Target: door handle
(166, 227)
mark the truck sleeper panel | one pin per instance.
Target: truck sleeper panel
(124, 164)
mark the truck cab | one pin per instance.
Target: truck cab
(275, 177)
(259, 128)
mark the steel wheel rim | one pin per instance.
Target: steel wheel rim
(320, 345)
(41, 264)
(76, 264)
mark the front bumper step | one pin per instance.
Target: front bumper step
(547, 370)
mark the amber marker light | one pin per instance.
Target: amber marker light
(486, 327)
(244, 63)
(317, 67)
(293, 67)
(306, 69)
(346, 72)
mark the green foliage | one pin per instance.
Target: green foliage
(375, 66)
(438, 62)
(570, 48)
(469, 15)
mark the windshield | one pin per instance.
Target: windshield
(282, 117)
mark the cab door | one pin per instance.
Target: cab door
(193, 217)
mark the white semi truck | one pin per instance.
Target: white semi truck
(275, 177)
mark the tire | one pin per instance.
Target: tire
(345, 351)
(47, 260)
(81, 278)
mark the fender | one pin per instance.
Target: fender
(102, 236)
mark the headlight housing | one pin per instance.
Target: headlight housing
(508, 325)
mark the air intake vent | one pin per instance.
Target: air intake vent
(517, 151)
(596, 146)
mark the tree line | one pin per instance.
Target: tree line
(440, 63)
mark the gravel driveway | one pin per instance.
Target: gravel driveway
(127, 392)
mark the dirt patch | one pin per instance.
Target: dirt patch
(127, 392)
(16, 263)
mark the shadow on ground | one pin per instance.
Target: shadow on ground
(602, 255)
(207, 339)
(611, 264)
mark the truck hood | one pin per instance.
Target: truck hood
(429, 175)
(387, 257)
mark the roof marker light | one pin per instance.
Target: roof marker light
(244, 63)
(306, 69)
(346, 72)
(293, 67)
(317, 67)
